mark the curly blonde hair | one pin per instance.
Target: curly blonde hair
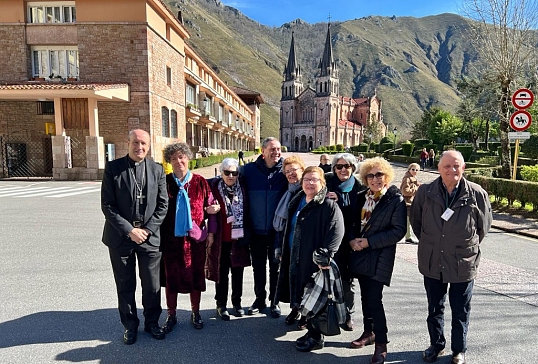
(293, 159)
(381, 164)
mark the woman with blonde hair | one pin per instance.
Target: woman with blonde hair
(378, 224)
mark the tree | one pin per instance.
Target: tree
(445, 127)
(503, 32)
(374, 131)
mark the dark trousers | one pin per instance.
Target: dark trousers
(348, 286)
(262, 249)
(459, 295)
(221, 288)
(373, 312)
(123, 259)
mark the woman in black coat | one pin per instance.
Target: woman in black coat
(379, 222)
(313, 222)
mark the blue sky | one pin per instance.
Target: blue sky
(278, 12)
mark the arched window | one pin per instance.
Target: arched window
(173, 124)
(165, 122)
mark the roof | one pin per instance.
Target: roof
(47, 90)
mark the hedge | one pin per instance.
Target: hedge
(522, 191)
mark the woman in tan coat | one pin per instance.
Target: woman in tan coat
(409, 187)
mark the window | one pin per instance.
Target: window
(52, 12)
(168, 76)
(190, 92)
(45, 108)
(221, 112)
(55, 61)
(208, 101)
(165, 122)
(173, 123)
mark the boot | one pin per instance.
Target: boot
(380, 354)
(367, 338)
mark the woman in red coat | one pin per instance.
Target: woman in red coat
(183, 243)
(227, 250)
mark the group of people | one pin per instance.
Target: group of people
(427, 158)
(184, 229)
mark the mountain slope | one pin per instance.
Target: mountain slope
(412, 63)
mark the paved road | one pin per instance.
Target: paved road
(58, 301)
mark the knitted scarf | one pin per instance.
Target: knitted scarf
(183, 208)
(371, 202)
(281, 213)
(233, 207)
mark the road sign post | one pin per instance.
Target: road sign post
(521, 119)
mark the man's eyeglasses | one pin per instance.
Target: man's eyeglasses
(311, 180)
(291, 170)
(340, 166)
(378, 175)
(233, 173)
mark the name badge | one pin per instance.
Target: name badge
(447, 214)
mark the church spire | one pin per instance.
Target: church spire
(292, 71)
(326, 64)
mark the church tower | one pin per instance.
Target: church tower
(292, 86)
(327, 85)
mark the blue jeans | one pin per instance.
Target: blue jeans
(459, 295)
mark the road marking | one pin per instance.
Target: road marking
(76, 193)
(18, 192)
(48, 192)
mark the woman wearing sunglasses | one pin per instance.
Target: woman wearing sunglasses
(379, 223)
(343, 188)
(227, 250)
(293, 168)
(409, 187)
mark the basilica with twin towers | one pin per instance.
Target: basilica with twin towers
(311, 117)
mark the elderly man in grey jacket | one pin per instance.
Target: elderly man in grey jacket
(450, 216)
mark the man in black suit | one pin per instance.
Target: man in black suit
(134, 201)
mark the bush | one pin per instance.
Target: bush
(283, 148)
(385, 146)
(522, 191)
(529, 173)
(362, 147)
(465, 149)
(407, 148)
(530, 147)
(339, 147)
(332, 148)
(421, 143)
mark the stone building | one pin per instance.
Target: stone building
(77, 76)
(310, 117)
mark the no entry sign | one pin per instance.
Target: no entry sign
(520, 120)
(522, 98)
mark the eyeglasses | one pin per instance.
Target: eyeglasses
(291, 170)
(378, 175)
(233, 173)
(311, 180)
(414, 169)
(340, 166)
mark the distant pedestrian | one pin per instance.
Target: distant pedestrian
(450, 216)
(431, 157)
(424, 158)
(240, 156)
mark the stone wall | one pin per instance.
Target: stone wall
(14, 54)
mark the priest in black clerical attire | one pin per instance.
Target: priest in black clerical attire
(134, 201)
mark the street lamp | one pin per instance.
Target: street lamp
(395, 132)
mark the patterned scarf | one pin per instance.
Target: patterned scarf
(234, 207)
(371, 202)
(183, 207)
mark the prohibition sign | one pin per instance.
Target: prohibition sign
(520, 120)
(522, 98)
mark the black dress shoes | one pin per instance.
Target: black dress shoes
(223, 313)
(169, 324)
(302, 339)
(156, 332)
(275, 311)
(348, 325)
(256, 307)
(458, 358)
(430, 354)
(197, 321)
(310, 344)
(239, 312)
(129, 337)
(293, 316)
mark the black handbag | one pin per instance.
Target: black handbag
(326, 321)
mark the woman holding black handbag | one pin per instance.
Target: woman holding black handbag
(313, 222)
(379, 222)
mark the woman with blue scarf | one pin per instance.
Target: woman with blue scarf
(183, 234)
(343, 188)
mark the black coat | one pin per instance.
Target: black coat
(319, 224)
(387, 226)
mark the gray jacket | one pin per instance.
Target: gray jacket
(450, 247)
